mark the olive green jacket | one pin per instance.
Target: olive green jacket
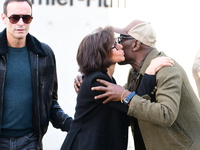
(171, 121)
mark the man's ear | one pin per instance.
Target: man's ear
(3, 17)
(137, 45)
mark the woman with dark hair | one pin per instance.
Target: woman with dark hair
(98, 126)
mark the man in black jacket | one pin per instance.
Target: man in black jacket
(28, 82)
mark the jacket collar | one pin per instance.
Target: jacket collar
(153, 54)
(31, 42)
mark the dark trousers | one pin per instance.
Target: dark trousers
(27, 142)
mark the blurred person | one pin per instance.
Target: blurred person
(28, 82)
(97, 126)
(196, 71)
(170, 117)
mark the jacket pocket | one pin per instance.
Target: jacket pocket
(180, 136)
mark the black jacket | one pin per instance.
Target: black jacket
(44, 81)
(97, 126)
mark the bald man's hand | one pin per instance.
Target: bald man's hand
(77, 82)
(112, 91)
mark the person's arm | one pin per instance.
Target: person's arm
(114, 105)
(164, 109)
(59, 118)
(147, 85)
(119, 93)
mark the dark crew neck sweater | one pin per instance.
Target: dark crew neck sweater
(18, 96)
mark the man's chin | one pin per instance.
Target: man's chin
(20, 37)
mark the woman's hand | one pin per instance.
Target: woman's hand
(158, 63)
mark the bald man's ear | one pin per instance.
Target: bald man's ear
(136, 45)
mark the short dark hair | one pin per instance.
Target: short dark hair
(94, 51)
(8, 1)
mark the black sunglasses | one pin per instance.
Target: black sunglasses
(119, 39)
(115, 46)
(15, 18)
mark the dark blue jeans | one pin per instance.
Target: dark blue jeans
(27, 142)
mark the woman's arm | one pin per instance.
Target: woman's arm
(115, 92)
(148, 83)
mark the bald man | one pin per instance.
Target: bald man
(168, 117)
